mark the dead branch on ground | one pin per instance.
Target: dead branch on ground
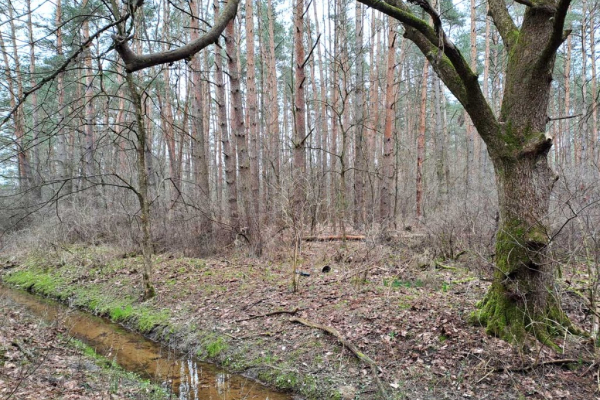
(359, 354)
(270, 314)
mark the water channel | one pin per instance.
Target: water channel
(184, 376)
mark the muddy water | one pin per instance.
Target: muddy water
(185, 377)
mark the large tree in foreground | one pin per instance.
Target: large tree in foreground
(522, 297)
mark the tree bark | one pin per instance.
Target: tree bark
(594, 82)
(239, 130)
(299, 138)
(252, 100)
(566, 133)
(388, 142)
(15, 86)
(35, 120)
(421, 142)
(199, 128)
(272, 114)
(63, 159)
(135, 62)
(89, 118)
(142, 191)
(360, 161)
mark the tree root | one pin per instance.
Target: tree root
(270, 314)
(541, 364)
(360, 355)
(510, 321)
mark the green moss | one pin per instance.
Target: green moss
(506, 311)
(501, 317)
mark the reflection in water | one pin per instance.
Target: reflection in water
(184, 376)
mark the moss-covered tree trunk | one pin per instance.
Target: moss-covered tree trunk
(522, 297)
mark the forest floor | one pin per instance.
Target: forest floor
(38, 360)
(409, 316)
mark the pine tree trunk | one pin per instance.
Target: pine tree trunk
(566, 133)
(88, 130)
(23, 156)
(252, 100)
(239, 130)
(63, 164)
(272, 114)
(388, 142)
(359, 125)
(228, 148)
(594, 82)
(35, 120)
(199, 125)
(583, 138)
(421, 142)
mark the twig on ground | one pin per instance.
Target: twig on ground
(541, 364)
(19, 344)
(333, 238)
(247, 306)
(270, 314)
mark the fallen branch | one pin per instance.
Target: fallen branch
(19, 345)
(460, 253)
(443, 266)
(333, 238)
(270, 314)
(270, 334)
(359, 354)
(541, 364)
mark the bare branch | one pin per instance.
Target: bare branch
(62, 68)
(558, 35)
(504, 22)
(135, 62)
(446, 59)
(525, 3)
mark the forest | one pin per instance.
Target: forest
(346, 199)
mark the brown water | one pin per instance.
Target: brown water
(187, 378)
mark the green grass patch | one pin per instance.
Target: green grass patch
(121, 313)
(213, 349)
(397, 283)
(40, 282)
(147, 319)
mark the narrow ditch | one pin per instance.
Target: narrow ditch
(182, 375)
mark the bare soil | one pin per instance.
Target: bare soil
(409, 316)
